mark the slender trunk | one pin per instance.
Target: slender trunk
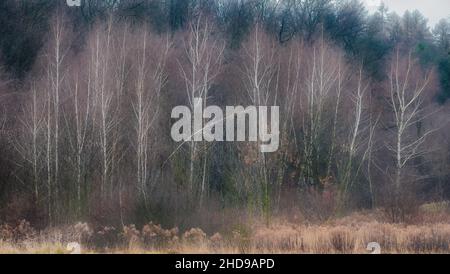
(49, 158)
(56, 106)
(203, 179)
(34, 148)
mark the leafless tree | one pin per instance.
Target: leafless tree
(204, 55)
(57, 52)
(324, 77)
(29, 144)
(82, 117)
(351, 165)
(407, 87)
(150, 80)
(105, 101)
(260, 77)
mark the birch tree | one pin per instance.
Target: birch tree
(29, 143)
(322, 90)
(150, 80)
(407, 87)
(350, 167)
(82, 115)
(260, 77)
(204, 57)
(56, 72)
(105, 102)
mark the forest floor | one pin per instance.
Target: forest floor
(350, 234)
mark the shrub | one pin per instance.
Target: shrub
(83, 232)
(105, 237)
(155, 235)
(19, 233)
(195, 235)
(131, 235)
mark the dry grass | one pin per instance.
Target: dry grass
(393, 238)
(345, 235)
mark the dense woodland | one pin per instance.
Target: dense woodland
(86, 95)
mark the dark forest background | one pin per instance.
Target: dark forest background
(86, 94)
